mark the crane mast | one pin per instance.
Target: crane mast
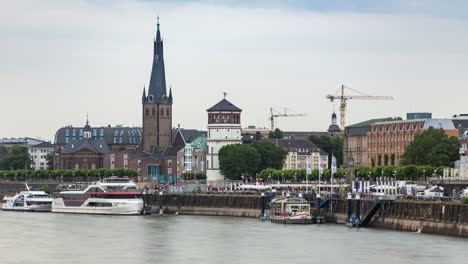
(344, 100)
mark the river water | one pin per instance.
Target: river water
(66, 238)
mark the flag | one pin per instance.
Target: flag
(333, 165)
(308, 168)
(322, 165)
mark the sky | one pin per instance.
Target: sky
(61, 60)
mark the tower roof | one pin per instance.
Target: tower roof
(224, 105)
(157, 86)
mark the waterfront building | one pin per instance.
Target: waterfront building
(355, 142)
(37, 149)
(390, 139)
(461, 123)
(38, 155)
(192, 157)
(224, 128)
(299, 152)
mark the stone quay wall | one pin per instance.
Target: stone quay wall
(207, 204)
(435, 217)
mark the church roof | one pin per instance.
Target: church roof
(157, 87)
(111, 135)
(224, 105)
(93, 145)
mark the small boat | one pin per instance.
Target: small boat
(32, 201)
(287, 210)
(112, 196)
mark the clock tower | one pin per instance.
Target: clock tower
(157, 105)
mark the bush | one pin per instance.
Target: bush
(44, 188)
(464, 200)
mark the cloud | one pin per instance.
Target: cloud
(62, 59)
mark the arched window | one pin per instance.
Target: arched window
(167, 111)
(162, 111)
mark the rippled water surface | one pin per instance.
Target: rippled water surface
(66, 238)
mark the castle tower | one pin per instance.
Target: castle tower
(157, 106)
(224, 128)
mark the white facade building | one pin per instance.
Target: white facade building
(224, 128)
(38, 155)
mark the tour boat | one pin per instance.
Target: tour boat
(33, 201)
(112, 196)
(286, 210)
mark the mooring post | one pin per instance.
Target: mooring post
(358, 206)
(161, 203)
(263, 203)
(318, 204)
(350, 208)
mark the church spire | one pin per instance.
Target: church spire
(157, 88)
(143, 98)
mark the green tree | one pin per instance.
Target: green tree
(3, 151)
(50, 161)
(379, 160)
(373, 162)
(432, 147)
(17, 158)
(238, 159)
(271, 156)
(277, 133)
(385, 160)
(332, 146)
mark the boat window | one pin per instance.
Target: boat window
(99, 204)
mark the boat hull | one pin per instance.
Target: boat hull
(119, 207)
(43, 208)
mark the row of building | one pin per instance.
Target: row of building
(369, 142)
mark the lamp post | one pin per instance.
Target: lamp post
(424, 175)
(282, 178)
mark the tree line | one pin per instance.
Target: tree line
(57, 174)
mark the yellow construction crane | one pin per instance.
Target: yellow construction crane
(274, 114)
(344, 98)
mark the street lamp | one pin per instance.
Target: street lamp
(424, 175)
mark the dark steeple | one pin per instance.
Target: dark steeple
(157, 87)
(143, 98)
(170, 94)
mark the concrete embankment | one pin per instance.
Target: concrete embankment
(206, 204)
(444, 218)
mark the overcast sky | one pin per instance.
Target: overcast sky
(62, 59)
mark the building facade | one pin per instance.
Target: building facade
(355, 142)
(192, 157)
(299, 153)
(38, 155)
(224, 128)
(387, 141)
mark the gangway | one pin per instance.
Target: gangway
(324, 202)
(373, 209)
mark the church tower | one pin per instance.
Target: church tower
(157, 106)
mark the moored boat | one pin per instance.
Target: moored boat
(112, 196)
(32, 201)
(287, 210)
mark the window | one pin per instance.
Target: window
(162, 111)
(167, 111)
(169, 163)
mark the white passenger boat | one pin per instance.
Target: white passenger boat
(33, 201)
(112, 196)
